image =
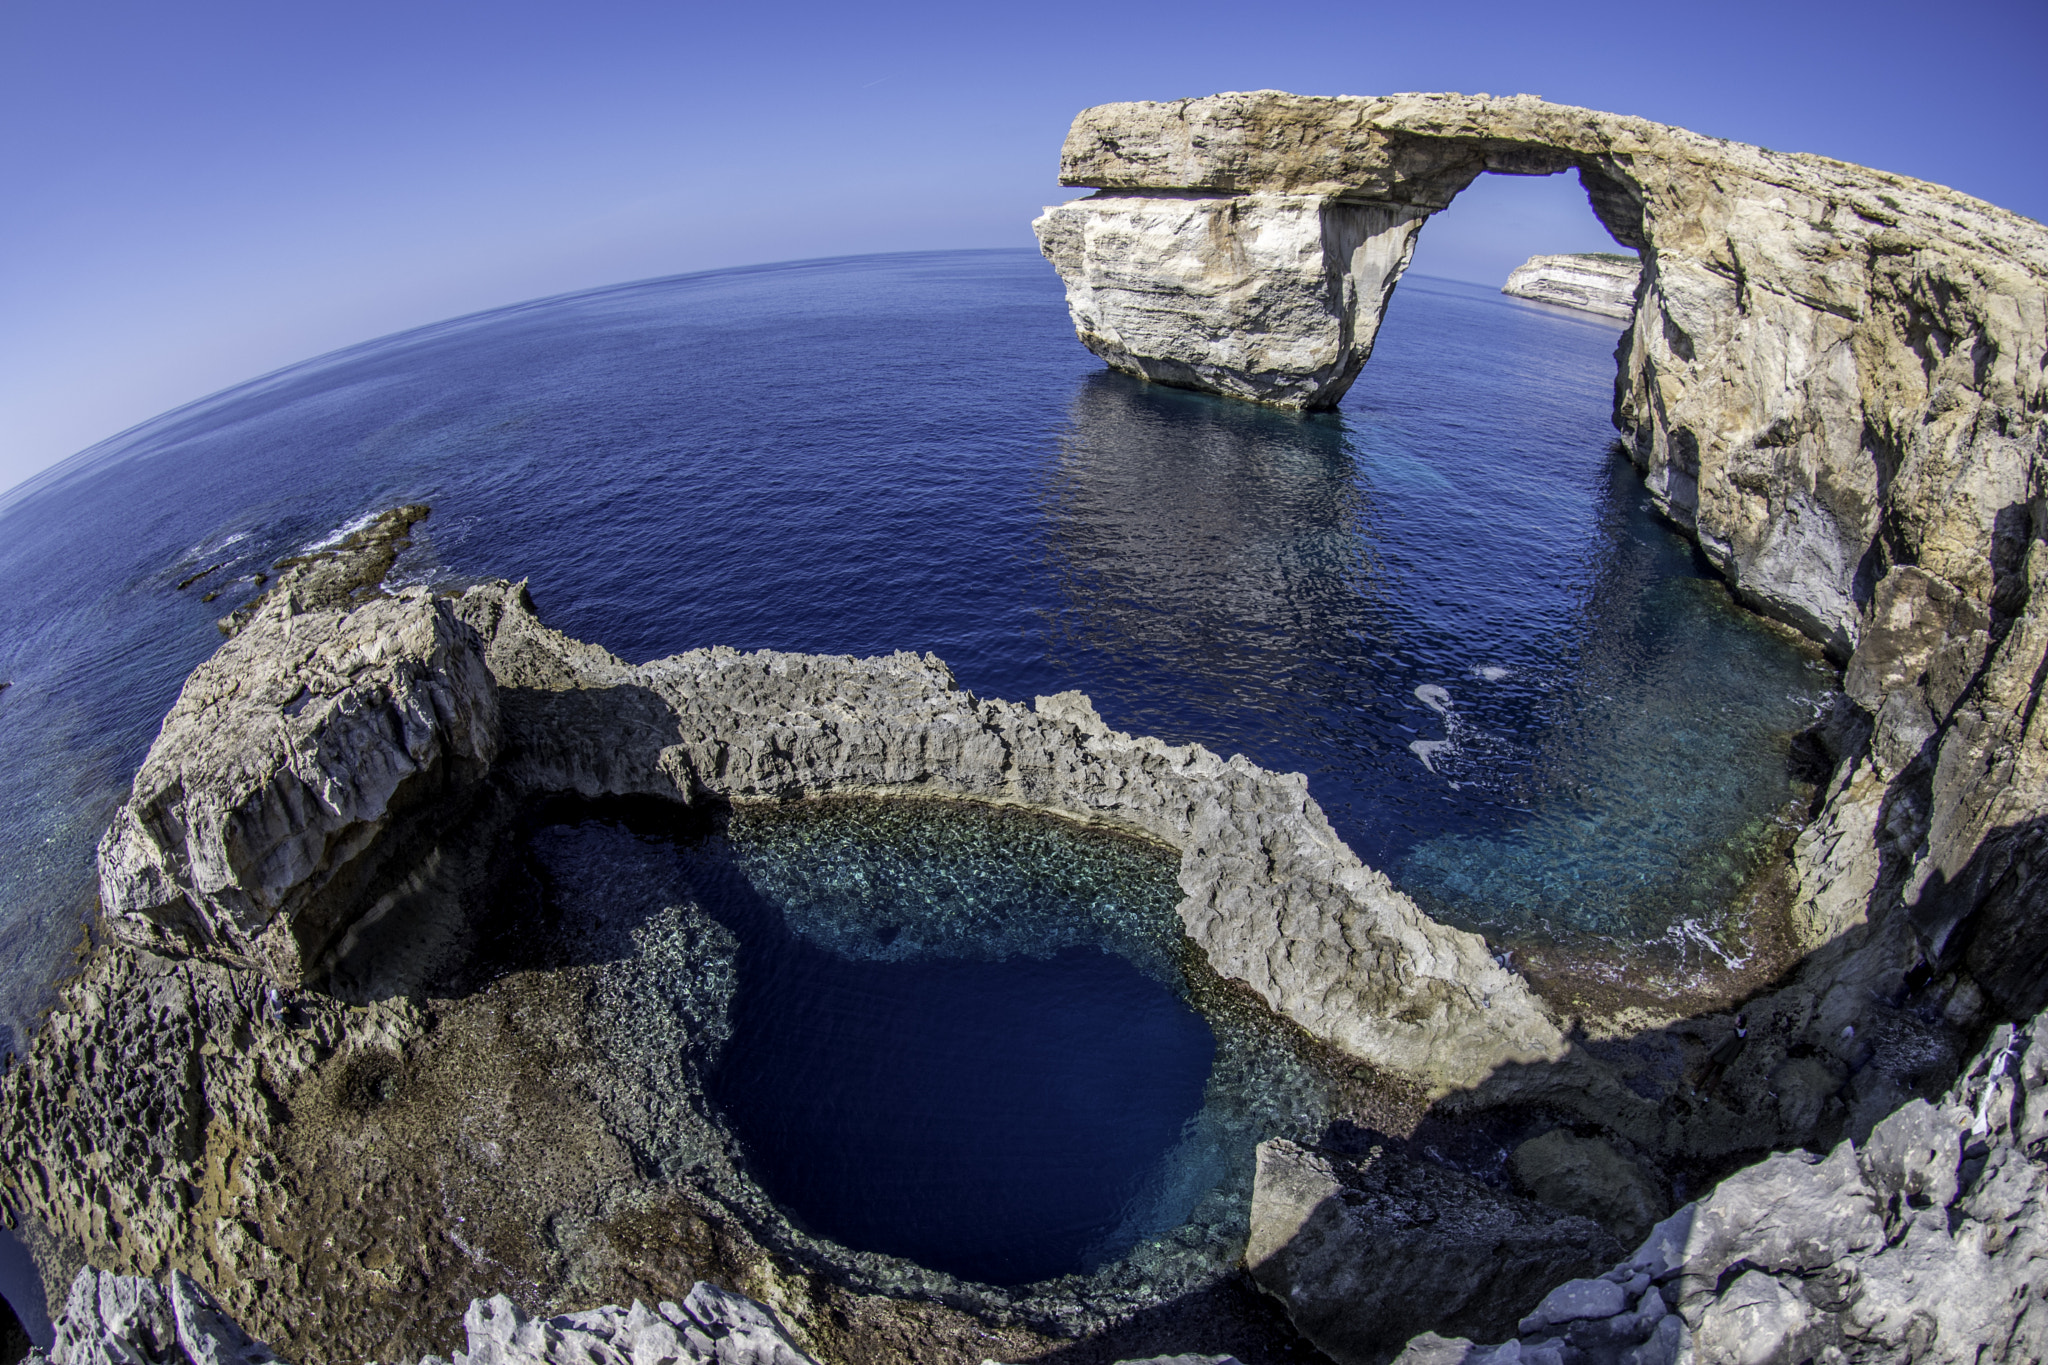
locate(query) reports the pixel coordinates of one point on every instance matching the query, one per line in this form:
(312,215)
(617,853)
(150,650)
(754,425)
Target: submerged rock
(1592,282)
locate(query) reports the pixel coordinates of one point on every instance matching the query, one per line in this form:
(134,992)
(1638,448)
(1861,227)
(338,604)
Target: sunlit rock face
(264,826)
(1602,283)
(1822,353)
(1274,298)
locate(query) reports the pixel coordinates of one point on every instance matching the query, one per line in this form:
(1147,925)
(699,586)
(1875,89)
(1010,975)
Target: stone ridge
(310,756)
(1590,283)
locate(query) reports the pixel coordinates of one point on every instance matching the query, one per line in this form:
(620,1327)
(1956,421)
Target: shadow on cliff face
(1994,912)
(460,900)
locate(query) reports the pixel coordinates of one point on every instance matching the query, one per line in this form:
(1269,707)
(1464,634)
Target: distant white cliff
(1594,282)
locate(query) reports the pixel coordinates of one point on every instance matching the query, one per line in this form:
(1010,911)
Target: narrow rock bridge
(1831,371)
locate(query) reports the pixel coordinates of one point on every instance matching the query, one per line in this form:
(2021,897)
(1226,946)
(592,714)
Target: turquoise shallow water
(913,452)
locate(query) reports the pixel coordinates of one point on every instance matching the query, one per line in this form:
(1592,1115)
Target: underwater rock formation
(1831,370)
(1601,283)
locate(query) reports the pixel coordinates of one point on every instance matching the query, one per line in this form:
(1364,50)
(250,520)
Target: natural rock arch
(1831,371)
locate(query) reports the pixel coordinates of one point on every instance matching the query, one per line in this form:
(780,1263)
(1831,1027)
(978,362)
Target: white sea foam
(338,535)
(1428,749)
(1435,698)
(1491,672)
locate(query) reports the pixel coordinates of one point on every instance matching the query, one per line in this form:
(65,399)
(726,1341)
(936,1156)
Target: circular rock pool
(938,1046)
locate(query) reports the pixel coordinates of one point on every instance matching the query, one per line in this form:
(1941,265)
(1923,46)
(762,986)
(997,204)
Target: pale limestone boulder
(293,774)
(1275,298)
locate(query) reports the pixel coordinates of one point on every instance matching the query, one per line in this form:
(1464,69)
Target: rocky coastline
(304,1087)
(1591,282)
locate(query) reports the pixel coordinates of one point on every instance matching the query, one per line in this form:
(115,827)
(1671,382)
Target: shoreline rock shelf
(289,796)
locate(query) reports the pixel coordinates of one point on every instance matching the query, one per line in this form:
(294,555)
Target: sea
(1513,688)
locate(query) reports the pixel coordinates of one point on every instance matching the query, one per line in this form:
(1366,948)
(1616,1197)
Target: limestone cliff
(1831,370)
(1590,282)
(1834,378)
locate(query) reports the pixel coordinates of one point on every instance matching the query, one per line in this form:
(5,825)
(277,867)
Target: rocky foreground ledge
(1929,1243)
(248,1085)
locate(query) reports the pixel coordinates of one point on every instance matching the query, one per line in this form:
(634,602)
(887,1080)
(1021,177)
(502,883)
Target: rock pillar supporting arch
(1831,371)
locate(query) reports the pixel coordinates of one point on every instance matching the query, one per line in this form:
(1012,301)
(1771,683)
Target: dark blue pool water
(992,1120)
(942,1032)
(912,452)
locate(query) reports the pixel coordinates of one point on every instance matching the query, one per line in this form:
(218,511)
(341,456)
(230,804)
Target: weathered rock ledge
(280,818)
(1592,283)
(110,1319)
(1928,1242)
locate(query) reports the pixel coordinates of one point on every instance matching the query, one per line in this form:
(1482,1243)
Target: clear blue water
(966,1037)
(913,452)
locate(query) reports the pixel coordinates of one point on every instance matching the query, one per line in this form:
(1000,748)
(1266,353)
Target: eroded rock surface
(113,1319)
(313,757)
(1601,283)
(1586,1175)
(1367,1252)
(1929,1241)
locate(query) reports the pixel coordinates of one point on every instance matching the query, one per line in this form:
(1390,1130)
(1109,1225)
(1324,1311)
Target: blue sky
(194,194)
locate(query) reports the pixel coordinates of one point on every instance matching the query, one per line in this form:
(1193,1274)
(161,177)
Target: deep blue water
(912,452)
(988,1119)
(941,1031)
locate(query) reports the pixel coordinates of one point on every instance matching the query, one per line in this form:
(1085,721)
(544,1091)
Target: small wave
(1691,933)
(210,547)
(338,535)
(1491,672)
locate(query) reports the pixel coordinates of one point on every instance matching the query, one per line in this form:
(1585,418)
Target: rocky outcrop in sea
(1831,371)
(1592,282)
